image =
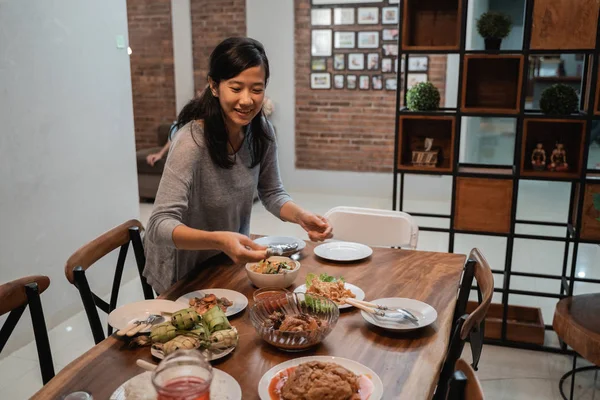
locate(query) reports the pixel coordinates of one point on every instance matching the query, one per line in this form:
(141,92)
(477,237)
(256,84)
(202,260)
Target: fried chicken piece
(317,380)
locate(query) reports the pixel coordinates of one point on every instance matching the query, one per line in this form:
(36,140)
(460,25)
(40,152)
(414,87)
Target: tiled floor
(505,373)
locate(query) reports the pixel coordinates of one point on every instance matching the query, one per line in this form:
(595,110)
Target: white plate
(356,367)
(223,387)
(358,292)
(280,240)
(343,251)
(239,300)
(128,313)
(423,311)
(214,355)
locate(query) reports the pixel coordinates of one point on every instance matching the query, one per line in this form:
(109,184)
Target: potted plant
(493,27)
(559,99)
(423,97)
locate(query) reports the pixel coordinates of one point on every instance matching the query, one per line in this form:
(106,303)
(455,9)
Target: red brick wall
(152,69)
(340,129)
(213,21)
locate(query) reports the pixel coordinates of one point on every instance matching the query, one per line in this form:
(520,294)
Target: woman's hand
(316,226)
(240,248)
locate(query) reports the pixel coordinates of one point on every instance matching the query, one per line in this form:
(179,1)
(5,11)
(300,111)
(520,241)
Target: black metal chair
(15,296)
(471,326)
(86,256)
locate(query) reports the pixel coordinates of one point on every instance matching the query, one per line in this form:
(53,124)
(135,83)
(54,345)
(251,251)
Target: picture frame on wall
(386,65)
(368,40)
(413,79)
(321,43)
(344,40)
(338,81)
(391,84)
(343,16)
(418,64)
(351,82)
(339,62)
(320,80)
(367,15)
(320,16)
(390,50)
(363,82)
(373,61)
(390,34)
(377,82)
(318,64)
(356,61)
(389,15)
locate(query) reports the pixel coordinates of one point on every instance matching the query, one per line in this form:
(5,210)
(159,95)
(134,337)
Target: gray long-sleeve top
(198,193)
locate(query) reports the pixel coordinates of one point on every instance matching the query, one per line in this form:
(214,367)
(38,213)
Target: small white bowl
(274,280)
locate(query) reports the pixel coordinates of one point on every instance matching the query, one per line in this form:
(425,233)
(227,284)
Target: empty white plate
(139,311)
(423,311)
(222,387)
(343,251)
(239,300)
(358,292)
(356,367)
(281,240)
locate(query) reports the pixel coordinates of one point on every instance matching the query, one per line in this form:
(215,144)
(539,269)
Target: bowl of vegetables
(275,272)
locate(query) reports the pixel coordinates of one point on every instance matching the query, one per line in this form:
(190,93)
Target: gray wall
(67,151)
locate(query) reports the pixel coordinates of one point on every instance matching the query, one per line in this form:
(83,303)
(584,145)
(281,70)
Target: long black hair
(229,59)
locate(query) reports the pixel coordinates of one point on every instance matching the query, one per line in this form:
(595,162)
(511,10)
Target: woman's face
(241,97)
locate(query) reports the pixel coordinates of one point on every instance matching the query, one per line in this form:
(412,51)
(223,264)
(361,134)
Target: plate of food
(343,251)
(230,301)
(335,289)
(121,317)
(210,333)
(425,314)
(337,378)
(222,387)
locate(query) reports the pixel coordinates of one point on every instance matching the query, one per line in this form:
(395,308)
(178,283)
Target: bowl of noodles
(275,272)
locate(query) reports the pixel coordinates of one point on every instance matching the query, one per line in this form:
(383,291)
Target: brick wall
(152,69)
(341,129)
(213,21)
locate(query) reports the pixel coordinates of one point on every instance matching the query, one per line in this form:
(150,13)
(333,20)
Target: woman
(224,150)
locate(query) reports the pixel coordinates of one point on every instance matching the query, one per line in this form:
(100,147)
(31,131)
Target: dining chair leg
(140,259)
(88,303)
(40,332)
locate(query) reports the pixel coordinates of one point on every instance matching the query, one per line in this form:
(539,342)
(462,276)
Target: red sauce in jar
(185,388)
(365,385)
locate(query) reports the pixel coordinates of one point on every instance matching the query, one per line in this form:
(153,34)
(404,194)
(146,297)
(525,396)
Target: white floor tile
(519,389)
(23,387)
(11,368)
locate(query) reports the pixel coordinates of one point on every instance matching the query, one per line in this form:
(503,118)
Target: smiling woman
(224,151)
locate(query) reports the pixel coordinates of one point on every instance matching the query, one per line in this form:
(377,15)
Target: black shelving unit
(572,236)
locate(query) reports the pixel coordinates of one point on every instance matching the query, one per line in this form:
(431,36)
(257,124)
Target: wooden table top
(407,363)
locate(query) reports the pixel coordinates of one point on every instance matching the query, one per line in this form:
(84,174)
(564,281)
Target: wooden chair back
(15,296)
(464,384)
(87,255)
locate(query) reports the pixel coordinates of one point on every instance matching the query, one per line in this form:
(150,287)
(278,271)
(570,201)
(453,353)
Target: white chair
(374,227)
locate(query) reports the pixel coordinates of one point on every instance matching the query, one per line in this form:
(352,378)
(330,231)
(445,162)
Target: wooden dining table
(407,363)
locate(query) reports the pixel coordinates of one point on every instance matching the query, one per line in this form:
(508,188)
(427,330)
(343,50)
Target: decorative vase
(492,43)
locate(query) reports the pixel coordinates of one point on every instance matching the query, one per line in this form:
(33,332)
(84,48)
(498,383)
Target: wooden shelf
(431,24)
(413,129)
(483,205)
(492,83)
(564,24)
(570,133)
(590,225)
(485,171)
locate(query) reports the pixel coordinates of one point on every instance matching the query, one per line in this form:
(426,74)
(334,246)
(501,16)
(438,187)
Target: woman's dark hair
(229,59)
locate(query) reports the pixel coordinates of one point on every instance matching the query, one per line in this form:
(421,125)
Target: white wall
(67,150)
(182,52)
